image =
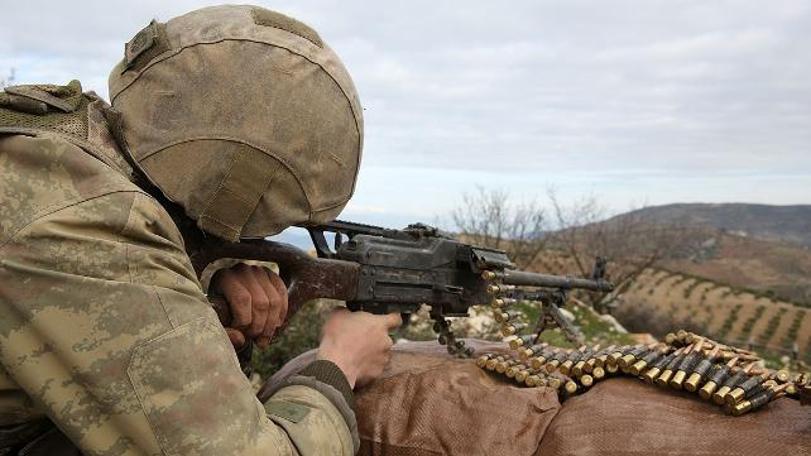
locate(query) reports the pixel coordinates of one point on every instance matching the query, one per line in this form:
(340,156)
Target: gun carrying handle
(306,277)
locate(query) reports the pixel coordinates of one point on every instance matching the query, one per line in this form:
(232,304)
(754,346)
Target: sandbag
(624,416)
(428,403)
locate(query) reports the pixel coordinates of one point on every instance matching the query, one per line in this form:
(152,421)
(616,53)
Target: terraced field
(725,313)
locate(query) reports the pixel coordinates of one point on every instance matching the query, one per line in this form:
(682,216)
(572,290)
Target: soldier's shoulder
(35,109)
(66,113)
(42,174)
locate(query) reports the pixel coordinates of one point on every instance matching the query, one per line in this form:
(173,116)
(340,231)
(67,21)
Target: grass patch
(595,330)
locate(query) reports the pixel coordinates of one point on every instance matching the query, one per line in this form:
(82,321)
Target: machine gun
(382,270)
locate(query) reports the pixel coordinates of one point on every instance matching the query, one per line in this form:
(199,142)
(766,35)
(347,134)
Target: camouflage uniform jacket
(104,327)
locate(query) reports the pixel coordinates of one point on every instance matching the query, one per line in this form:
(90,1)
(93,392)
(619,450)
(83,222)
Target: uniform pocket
(192,391)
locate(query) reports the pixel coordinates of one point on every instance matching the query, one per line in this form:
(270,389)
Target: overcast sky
(636,102)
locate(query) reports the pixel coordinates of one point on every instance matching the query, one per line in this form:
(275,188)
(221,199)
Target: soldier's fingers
(237,296)
(260,302)
(274,300)
(281,288)
(236,337)
(393,320)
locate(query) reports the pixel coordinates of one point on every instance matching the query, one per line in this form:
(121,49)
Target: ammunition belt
(730,377)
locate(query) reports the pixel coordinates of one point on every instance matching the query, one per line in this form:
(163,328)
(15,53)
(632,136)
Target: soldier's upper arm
(104,324)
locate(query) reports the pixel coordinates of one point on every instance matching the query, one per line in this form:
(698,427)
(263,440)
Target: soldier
(249,123)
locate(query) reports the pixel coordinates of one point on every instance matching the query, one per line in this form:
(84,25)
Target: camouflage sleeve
(104,325)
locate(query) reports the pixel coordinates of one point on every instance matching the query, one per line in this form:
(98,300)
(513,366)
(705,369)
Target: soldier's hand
(358,343)
(258,300)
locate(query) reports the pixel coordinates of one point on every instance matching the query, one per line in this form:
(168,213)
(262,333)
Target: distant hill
(765,249)
(661,300)
(773,268)
(773,223)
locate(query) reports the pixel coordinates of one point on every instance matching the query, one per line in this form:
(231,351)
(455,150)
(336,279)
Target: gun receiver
(381,270)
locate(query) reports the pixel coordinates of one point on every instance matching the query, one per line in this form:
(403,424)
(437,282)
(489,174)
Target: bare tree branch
(630,243)
(572,239)
(487,218)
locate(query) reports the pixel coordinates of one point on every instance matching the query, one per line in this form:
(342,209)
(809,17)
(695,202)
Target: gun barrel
(535,279)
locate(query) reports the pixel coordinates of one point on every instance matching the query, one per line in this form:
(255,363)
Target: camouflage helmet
(241,115)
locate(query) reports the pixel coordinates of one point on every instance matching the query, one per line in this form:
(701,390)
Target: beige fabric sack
(428,403)
(624,416)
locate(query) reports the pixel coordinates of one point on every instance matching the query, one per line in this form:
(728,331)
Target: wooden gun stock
(306,277)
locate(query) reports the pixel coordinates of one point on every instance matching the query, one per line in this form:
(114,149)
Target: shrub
(732,317)
(771,326)
(750,322)
(791,336)
(646,319)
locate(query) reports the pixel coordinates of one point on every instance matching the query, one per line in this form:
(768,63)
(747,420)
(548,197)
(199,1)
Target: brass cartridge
(500,316)
(701,370)
(782,375)
(537,362)
(502,303)
(552,365)
(667,373)
(492,362)
(520,341)
(573,356)
(579,367)
(502,366)
(499,289)
(751,386)
(757,401)
(648,359)
(618,353)
(651,374)
(511,371)
(719,397)
(527,353)
(521,375)
(597,358)
(555,360)
(511,329)
(481,361)
(533,380)
(687,365)
(543,357)
(629,358)
(717,377)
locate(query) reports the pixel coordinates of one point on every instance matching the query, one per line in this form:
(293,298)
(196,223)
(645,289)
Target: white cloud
(559,92)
